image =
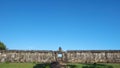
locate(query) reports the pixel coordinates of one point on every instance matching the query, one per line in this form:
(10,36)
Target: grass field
(16,65)
(94,65)
(71,65)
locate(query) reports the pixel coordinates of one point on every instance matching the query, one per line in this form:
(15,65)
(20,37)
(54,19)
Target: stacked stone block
(74,56)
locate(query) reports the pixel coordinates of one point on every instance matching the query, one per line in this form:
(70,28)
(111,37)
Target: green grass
(71,65)
(16,65)
(105,65)
(114,65)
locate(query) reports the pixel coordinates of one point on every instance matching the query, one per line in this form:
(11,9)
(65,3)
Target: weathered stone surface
(43,56)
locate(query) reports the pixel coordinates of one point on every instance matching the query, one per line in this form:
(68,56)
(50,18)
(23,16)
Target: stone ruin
(48,56)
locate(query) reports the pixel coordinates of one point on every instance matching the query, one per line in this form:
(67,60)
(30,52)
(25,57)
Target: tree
(2,46)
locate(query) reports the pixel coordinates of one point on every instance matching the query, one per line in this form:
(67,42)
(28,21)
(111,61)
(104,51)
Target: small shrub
(7,62)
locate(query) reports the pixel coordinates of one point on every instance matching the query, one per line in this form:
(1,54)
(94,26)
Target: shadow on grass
(72,66)
(43,65)
(96,66)
(57,65)
(53,65)
(48,65)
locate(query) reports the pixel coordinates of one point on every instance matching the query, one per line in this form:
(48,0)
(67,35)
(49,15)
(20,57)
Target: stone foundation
(75,56)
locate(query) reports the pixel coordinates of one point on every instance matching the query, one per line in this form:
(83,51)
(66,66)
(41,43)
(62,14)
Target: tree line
(2,46)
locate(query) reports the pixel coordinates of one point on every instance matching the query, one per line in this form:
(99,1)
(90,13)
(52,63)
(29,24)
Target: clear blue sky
(71,24)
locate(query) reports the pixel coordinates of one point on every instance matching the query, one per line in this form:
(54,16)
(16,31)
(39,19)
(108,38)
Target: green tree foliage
(2,46)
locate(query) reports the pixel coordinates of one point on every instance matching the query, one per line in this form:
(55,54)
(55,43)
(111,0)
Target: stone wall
(92,56)
(26,56)
(85,56)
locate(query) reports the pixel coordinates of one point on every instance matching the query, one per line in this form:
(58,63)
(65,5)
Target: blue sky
(71,24)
